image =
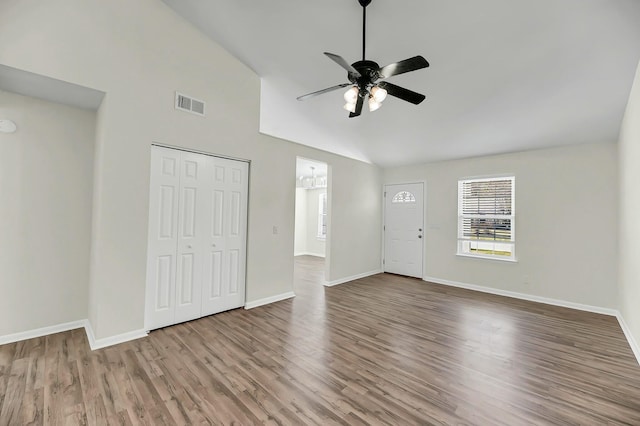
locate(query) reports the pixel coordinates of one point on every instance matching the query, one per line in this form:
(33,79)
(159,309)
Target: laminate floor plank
(384,349)
(11,412)
(32,408)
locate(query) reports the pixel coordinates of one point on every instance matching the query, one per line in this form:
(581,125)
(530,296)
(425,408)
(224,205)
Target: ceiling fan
(364,75)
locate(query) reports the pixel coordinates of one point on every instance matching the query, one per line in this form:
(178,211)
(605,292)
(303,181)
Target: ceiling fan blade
(344,64)
(320,92)
(402,93)
(358,111)
(411,64)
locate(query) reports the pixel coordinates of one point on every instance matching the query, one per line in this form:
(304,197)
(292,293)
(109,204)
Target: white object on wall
(7,126)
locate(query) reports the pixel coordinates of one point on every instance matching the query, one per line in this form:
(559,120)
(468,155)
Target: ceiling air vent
(189,104)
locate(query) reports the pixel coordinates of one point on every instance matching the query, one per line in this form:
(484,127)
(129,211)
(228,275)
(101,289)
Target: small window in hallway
(322,216)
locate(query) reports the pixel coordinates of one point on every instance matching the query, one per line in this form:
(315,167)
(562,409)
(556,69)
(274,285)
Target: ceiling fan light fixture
(350,107)
(373,104)
(351,95)
(378,93)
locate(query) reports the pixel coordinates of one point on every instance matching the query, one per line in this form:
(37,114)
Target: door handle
(419,236)
(420,230)
(189,246)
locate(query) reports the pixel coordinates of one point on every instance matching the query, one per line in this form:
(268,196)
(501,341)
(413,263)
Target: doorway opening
(311,212)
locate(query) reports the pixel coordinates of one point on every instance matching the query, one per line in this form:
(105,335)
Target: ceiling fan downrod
(364,4)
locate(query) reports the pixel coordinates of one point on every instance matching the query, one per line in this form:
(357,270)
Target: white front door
(404,229)
(197,236)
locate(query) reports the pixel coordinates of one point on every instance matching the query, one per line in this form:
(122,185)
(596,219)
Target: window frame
(461,240)
(404,199)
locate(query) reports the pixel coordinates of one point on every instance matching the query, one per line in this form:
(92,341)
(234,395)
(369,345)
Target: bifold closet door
(224,264)
(197,236)
(163,237)
(194,176)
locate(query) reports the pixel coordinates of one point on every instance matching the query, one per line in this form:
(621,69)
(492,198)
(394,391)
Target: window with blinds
(486,217)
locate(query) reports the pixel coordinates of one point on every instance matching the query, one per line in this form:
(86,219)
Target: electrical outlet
(275,230)
(526,280)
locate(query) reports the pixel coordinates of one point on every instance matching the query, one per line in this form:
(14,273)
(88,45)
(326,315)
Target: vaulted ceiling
(505,75)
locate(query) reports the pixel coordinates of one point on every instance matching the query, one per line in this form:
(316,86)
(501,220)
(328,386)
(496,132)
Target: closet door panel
(235,273)
(226,237)
(163,236)
(193,182)
(213,276)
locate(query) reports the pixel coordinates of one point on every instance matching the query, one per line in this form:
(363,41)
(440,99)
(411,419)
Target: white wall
(46,170)
(355,219)
(140,52)
(629,266)
(566,222)
(300,243)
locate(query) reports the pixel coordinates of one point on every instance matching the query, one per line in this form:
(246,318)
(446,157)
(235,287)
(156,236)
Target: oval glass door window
(404,197)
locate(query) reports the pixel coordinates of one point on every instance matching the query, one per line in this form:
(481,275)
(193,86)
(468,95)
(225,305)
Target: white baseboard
(111,340)
(268,300)
(351,278)
(308,253)
(524,296)
(39,332)
(627,333)
(59,328)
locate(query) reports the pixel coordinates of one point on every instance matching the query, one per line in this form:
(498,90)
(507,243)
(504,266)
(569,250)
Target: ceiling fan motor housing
(369,73)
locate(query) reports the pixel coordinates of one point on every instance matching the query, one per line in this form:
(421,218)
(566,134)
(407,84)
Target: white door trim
(195,151)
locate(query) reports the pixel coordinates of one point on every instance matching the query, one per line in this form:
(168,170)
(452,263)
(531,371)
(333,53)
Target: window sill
(476,256)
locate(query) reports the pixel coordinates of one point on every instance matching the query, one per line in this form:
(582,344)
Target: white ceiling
(505,75)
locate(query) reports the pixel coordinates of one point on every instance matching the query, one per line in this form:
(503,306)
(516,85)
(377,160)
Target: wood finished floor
(380,350)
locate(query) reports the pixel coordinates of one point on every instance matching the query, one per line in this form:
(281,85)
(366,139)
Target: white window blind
(486,217)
